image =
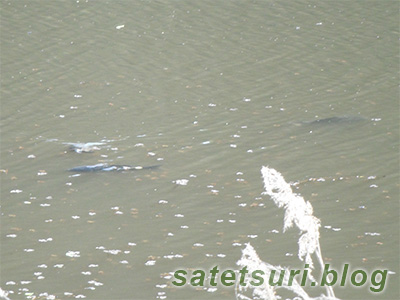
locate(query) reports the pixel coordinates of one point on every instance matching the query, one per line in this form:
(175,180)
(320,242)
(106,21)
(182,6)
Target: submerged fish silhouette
(108,168)
(333,120)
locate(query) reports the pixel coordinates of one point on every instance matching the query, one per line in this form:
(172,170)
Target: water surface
(211,91)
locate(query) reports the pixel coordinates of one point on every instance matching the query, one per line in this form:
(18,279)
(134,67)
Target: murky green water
(211,91)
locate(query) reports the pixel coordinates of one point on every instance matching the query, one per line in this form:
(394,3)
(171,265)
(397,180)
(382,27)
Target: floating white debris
(80,296)
(181,181)
(15,191)
(112,251)
(59,266)
(73,254)
(94,282)
(45,240)
(168,276)
(42,266)
(372,233)
(150,263)
(119,26)
(161,286)
(171,256)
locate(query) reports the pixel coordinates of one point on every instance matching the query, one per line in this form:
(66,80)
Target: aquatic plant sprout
(297,212)
(252,262)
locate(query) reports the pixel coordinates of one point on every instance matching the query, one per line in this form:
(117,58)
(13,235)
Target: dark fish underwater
(110,168)
(333,121)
